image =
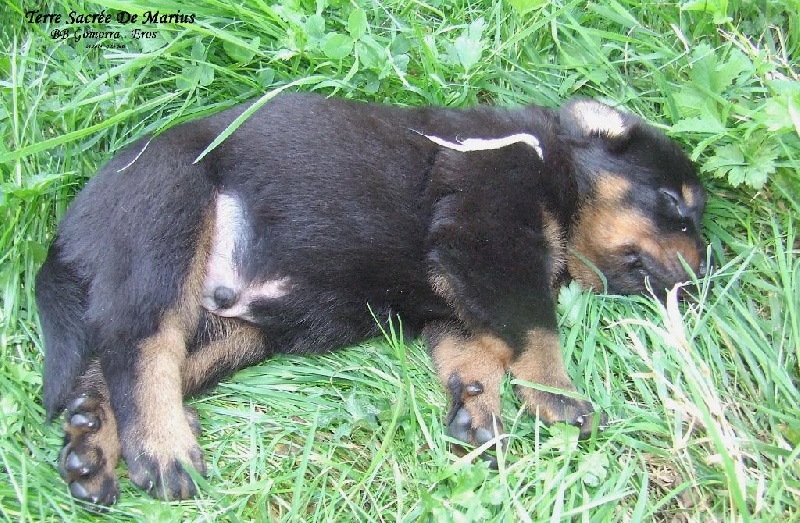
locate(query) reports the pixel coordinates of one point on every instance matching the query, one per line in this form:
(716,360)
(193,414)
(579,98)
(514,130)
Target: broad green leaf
(705,124)
(369,52)
(596,466)
(198,50)
(240,53)
(750,163)
(315,27)
(716,8)
(357,23)
(525,6)
(469,46)
(337,46)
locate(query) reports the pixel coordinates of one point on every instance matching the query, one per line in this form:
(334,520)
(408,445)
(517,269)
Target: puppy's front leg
(494,252)
(540,362)
(471,368)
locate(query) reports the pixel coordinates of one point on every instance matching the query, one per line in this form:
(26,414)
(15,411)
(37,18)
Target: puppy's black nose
(224,297)
(706,266)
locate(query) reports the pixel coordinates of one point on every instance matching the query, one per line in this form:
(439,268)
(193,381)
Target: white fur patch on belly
(229,230)
(486,144)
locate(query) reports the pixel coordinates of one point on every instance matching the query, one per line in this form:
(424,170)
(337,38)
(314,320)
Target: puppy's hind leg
(154,464)
(157,439)
(142,354)
(222,346)
(91,448)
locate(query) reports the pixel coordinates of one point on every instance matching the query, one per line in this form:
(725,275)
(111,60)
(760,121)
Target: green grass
(703,397)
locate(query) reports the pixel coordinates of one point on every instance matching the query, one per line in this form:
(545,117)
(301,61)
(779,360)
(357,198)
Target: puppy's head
(641,203)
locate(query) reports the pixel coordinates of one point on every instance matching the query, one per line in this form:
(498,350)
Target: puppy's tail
(61,300)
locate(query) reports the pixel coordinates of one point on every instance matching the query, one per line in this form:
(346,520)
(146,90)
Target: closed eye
(671,196)
(673,203)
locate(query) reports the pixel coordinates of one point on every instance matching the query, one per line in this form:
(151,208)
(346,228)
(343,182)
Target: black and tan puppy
(167,275)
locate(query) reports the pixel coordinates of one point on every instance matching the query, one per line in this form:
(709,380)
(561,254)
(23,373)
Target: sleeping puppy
(167,275)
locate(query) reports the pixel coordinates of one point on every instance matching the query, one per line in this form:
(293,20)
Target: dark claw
(194,421)
(460,426)
(482,435)
(557,408)
(585,421)
(75,464)
(196,455)
(100,499)
(78,491)
(461,429)
(85,421)
(459,421)
(474,388)
(166,480)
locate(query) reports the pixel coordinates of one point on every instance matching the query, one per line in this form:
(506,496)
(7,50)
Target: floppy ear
(584,119)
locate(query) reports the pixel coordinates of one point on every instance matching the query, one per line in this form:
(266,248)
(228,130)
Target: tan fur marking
(688,195)
(611,188)
(601,227)
(583,274)
(483,359)
(667,249)
(554,234)
(602,232)
(240,344)
(606,231)
(470,354)
(442,287)
(162,427)
(541,361)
